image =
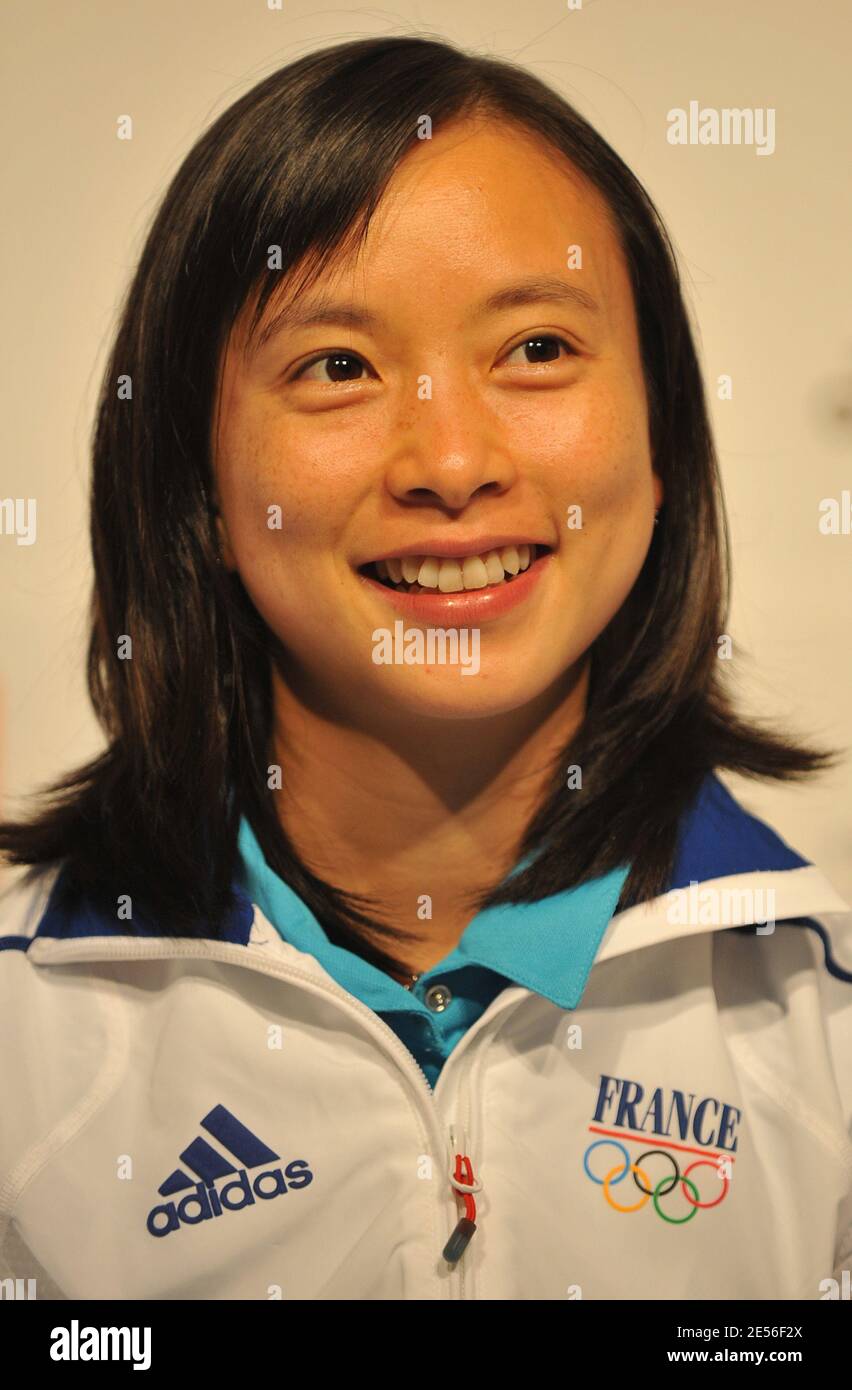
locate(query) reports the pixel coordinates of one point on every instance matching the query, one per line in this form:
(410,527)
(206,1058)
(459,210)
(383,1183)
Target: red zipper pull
(462,1179)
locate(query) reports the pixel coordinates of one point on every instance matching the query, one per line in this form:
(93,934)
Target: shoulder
(836,996)
(786,997)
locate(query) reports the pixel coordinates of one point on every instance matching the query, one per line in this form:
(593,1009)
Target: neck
(422,814)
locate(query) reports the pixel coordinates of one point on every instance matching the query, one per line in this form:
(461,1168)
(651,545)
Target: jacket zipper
(466,1142)
(465,1227)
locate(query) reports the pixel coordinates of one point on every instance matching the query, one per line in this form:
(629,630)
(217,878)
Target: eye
(343,366)
(542,346)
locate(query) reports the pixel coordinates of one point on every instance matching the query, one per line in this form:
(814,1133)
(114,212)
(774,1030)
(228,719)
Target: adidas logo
(205,1200)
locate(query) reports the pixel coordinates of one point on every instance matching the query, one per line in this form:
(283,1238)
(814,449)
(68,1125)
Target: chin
(447,694)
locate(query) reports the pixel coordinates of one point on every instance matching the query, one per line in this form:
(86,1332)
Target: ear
(659,492)
(225,551)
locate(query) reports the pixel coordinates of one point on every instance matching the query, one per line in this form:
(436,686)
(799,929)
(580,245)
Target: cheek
(285,494)
(286,503)
(606,454)
(605,469)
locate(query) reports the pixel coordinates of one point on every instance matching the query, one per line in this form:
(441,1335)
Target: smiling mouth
(424,574)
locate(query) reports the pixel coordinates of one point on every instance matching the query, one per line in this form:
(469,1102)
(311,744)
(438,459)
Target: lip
(455,549)
(468,607)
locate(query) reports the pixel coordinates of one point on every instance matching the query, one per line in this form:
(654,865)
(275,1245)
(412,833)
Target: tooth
(474,573)
(493,567)
(381,569)
(510,560)
(427,575)
(450,577)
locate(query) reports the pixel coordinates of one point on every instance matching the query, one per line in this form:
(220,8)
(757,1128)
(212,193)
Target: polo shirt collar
(548,946)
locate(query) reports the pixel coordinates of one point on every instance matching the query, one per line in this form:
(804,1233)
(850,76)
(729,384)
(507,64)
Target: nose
(447,454)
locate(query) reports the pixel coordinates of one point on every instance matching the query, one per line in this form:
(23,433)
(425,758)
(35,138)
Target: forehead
(489,188)
(481,204)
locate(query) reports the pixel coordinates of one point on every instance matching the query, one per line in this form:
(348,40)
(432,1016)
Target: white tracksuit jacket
(684,1133)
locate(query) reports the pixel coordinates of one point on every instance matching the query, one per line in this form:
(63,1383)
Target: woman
(405,888)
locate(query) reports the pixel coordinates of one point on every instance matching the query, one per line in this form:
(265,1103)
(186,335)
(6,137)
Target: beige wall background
(763,243)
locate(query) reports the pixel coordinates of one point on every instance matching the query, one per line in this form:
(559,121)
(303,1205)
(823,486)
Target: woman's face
(417,424)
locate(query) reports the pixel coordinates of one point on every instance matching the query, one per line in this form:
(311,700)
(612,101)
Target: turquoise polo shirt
(548,947)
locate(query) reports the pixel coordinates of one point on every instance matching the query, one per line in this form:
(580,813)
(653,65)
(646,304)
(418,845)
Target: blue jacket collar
(521,941)
(717,840)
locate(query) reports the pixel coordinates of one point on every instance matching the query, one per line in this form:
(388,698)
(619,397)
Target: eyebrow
(535,289)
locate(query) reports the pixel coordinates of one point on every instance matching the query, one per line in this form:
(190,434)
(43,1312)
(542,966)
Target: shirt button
(437,997)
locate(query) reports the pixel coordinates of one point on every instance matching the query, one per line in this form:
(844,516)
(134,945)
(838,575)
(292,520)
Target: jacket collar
(729,868)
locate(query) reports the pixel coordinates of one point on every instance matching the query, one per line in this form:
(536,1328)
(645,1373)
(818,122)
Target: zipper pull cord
(462,1178)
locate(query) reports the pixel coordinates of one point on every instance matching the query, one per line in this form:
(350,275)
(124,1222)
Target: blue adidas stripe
(207,1163)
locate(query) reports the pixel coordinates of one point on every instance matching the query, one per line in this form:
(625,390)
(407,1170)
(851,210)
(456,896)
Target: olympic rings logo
(652,1193)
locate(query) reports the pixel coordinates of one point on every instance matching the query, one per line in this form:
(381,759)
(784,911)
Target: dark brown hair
(301,162)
